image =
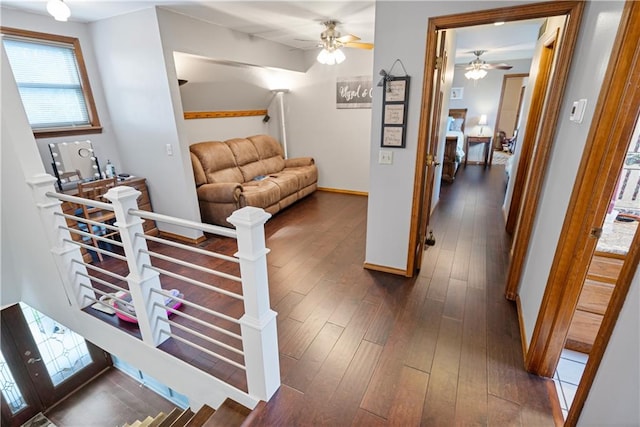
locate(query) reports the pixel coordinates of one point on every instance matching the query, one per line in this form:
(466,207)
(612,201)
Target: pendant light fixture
(59,10)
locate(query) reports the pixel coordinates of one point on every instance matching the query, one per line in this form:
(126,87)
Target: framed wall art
(457,92)
(394,111)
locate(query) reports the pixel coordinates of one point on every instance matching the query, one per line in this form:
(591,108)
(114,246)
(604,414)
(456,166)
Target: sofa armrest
(220,192)
(298,161)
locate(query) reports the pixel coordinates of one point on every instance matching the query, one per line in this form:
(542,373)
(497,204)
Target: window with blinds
(52,82)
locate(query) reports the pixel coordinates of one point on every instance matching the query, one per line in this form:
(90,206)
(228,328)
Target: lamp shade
(58,9)
(483,120)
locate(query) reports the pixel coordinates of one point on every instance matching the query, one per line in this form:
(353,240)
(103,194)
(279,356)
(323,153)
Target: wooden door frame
(505,78)
(573,11)
(612,126)
(432,148)
(527,155)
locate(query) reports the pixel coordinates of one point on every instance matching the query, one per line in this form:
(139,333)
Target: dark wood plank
(342,408)
(440,403)
(307,367)
(407,405)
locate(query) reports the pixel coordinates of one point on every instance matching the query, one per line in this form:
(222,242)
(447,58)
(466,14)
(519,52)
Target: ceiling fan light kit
(331,57)
(477,69)
(331,43)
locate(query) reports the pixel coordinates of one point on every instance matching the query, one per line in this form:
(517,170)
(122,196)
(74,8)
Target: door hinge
(438,63)
(595,232)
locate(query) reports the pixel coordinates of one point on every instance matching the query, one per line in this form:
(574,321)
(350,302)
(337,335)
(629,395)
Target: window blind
(49,83)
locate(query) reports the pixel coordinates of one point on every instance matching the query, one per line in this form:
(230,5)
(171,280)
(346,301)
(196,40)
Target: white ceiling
(298,23)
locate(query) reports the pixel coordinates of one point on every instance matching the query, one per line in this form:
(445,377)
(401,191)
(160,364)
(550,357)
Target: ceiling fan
(477,69)
(331,41)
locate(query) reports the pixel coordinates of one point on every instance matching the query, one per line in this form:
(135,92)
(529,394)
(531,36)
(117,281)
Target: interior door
(42,362)
(432,147)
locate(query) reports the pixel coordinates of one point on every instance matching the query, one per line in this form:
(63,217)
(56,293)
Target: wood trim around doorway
(612,126)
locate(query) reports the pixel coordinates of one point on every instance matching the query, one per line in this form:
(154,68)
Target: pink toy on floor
(128,308)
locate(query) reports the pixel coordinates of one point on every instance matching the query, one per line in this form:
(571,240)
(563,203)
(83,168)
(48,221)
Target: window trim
(94,126)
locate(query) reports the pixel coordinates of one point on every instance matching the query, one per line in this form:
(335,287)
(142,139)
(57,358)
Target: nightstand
(488,150)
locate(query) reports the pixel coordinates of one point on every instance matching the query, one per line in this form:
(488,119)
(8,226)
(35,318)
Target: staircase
(229,414)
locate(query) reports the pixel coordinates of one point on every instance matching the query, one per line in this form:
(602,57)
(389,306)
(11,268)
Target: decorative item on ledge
(188,115)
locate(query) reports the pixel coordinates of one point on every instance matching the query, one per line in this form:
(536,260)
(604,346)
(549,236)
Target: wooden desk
(144,203)
(488,150)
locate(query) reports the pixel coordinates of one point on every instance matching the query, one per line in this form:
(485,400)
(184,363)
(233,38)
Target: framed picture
(393,114)
(457,92)
(393,136)
(394,111)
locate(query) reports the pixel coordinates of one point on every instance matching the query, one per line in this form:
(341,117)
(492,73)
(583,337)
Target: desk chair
(95,190)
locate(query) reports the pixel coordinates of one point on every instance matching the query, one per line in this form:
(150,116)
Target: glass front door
(42,361)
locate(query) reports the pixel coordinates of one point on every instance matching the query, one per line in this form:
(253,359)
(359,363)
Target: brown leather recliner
(248,172)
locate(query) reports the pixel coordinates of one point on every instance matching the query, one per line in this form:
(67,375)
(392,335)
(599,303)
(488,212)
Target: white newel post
(149,305)
(57,237)
(259,333)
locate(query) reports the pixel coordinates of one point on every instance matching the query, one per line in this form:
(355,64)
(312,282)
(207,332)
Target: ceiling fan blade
(348,38)
(359,45)
(501,66)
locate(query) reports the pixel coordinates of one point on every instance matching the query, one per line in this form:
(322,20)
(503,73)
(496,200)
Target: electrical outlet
(385,157)
(169,150)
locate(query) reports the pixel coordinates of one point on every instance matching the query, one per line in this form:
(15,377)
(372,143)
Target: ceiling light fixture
(59,10)
(331,56)
(476,74)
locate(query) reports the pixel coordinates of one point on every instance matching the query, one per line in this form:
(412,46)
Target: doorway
(41,362)
(509,110)
(573,10)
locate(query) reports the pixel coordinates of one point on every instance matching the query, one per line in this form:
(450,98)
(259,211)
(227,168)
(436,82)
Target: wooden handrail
(188,115)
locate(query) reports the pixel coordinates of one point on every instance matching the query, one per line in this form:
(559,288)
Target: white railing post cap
(249,215)
(121,192)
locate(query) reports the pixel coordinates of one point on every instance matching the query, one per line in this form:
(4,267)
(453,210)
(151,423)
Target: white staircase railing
(135,266)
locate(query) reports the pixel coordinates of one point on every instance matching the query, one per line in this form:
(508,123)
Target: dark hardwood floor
(359,347)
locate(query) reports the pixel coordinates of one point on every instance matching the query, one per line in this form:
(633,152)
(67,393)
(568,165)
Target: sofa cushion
(247,158)
(307,175)
(198,173)
(260,194)
(270,153)
(287,182)
(217,161)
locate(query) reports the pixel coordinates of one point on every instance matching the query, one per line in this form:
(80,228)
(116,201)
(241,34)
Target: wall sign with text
(394,111)
(354,92)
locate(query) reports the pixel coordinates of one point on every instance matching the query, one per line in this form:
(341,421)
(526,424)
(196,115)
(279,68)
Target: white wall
(614,396)
(104,144)
(592,53)
(338,139)
(483,97)
(221,129)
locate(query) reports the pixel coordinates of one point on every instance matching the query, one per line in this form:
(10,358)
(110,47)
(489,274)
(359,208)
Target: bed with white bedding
(454,143)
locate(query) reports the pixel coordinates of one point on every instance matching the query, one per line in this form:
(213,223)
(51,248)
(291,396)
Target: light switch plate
(385,157)
(577,110)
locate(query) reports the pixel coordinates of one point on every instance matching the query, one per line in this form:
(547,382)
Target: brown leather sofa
(249,171)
